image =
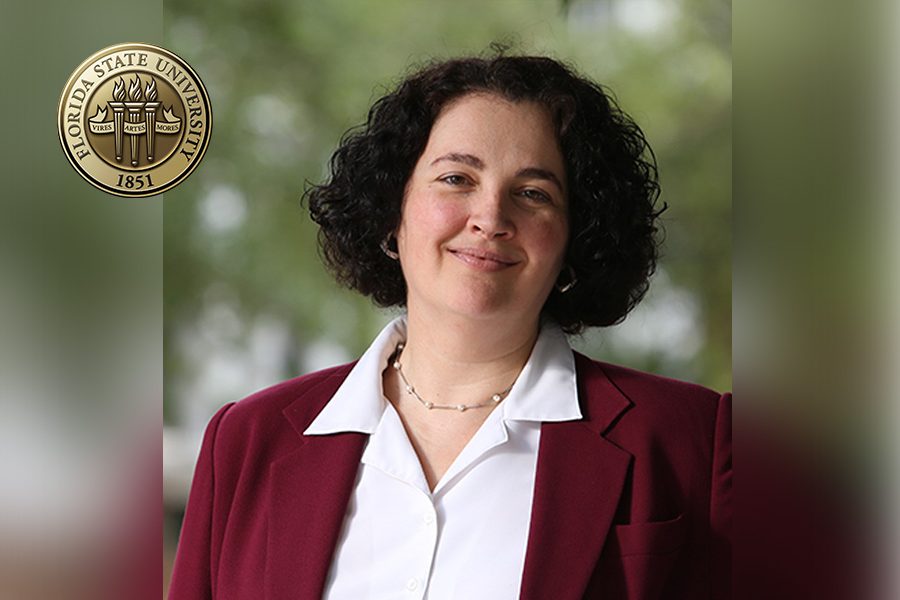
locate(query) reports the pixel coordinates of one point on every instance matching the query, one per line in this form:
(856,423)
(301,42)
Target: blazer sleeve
(192,575)
(720,507)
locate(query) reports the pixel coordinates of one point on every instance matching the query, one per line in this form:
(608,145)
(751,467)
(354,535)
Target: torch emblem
(140,105)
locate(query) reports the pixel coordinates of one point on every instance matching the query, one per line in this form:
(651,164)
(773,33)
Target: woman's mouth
(483,260)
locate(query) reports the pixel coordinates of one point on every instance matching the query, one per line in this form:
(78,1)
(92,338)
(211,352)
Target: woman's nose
(490,216)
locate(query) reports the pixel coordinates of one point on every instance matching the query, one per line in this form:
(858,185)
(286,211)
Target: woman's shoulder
(648,397)
(641,382)
(295,401)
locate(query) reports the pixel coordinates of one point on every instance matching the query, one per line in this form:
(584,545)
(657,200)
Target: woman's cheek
(551,235)
(440,211)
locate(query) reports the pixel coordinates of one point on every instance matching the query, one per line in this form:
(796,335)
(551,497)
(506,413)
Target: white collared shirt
(467,538)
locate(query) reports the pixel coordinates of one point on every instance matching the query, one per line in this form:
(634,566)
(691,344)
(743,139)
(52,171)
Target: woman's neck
(461,361)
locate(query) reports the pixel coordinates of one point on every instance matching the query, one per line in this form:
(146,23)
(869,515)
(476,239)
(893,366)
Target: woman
(469,453)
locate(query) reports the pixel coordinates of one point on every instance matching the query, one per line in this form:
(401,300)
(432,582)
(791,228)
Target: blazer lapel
(579,479)
(310,490)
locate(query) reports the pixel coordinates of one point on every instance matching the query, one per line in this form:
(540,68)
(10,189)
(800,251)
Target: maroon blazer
(631,502)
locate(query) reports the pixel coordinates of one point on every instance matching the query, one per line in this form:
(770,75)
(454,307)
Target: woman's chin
(483,306)
(473,301)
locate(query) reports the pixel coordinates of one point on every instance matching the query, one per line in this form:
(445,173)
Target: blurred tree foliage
(288,77)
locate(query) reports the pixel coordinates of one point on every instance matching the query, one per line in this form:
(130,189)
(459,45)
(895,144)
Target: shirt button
(412,584)
(428,518)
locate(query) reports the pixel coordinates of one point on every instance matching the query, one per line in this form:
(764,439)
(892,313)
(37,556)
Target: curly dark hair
(611,171)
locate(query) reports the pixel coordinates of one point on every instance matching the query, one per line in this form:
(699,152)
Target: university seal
(134,120)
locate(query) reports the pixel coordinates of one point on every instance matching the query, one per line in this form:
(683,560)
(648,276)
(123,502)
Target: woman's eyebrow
(538,173)
(466,159)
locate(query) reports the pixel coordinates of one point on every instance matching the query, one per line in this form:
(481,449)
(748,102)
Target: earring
(386,247)
(573,279)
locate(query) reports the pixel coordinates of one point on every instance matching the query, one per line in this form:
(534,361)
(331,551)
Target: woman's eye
(454,179)
(537,195)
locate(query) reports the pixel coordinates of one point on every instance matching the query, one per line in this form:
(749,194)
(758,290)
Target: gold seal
(134,120)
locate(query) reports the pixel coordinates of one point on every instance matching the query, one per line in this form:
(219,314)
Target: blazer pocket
(654,537)
(638,559)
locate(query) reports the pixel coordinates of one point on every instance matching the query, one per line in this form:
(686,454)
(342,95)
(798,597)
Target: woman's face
(484,221)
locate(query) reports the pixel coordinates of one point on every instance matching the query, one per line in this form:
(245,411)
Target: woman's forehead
(485,129)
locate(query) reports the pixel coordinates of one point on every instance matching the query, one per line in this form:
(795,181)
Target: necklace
(395,363)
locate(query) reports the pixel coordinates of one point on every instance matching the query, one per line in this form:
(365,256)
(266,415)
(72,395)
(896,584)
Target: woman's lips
(483,260)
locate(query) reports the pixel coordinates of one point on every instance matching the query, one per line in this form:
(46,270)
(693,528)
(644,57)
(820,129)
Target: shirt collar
(546,389)
(358,403)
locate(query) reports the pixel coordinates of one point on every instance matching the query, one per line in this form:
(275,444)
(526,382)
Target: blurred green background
(247,301)
(80,329)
